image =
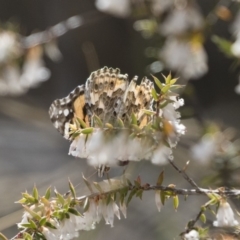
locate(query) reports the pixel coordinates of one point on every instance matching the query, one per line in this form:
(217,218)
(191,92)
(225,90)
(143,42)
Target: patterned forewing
(104,93)
(63,111)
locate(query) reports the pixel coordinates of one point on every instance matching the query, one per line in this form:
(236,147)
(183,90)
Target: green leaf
(32,223)
(158,83)
(42,221)
(98,187)
(48,224)
(224,45)
(27,236)
(175,202)
(3,237)
(132,193)
(35,193)
(72,189)
(109,199)
(160,178)
(154,94)
(28,197)
(109,125)
(48,193)
(139,193)
(136,127)
(32,213)
(74,211)
(168,78)
(82,123)
(87,184)
(173,81)
(203,218)
(176,86)
(120,122)
(87,130)
(60,198)
(137,184)
(133,119)
(98,121)
(22,201)
(162,197)
(86,204)
(26,225)
(148,112)
(166,88)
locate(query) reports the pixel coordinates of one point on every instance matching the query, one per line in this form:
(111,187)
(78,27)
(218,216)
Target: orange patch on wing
(78,107)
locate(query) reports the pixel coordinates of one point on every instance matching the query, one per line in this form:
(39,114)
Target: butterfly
(107,94)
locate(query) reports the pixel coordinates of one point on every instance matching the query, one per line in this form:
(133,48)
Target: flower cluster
(21,58)
(225,216)
(63,217)
(216,144)
(117,142)
(16,79)
(181,31)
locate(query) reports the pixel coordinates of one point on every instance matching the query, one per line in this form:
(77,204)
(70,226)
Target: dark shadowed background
(33,152)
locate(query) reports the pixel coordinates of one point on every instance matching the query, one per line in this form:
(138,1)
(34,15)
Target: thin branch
(61,28)
(183,173)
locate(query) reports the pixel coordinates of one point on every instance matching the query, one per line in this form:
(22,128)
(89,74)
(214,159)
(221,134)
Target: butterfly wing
(104,93)
(63,111)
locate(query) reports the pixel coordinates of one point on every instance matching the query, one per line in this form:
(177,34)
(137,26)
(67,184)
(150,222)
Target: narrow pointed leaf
(158,82)
(88,184)
(160,178)
(109,125)
(74,211)
(203,218)
(132,193)
(43,221)
(175,202)
(98,187)
(162,197)
(82,123)
(2,237)
(48,224)
(87,130)
(86,204)
(72,189)
(120,122)
(134,119)
(35,193)
(32,213)
(154,94)
(48,193)
(98,121)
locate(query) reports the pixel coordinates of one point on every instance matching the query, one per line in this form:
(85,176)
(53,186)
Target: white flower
(9,46)
(16,81)
(114,7)
(108,211)
(33,72)
(225,216)
(123,209)
(235,48)
(192,235)
(161,155)
(205,149)
(159,6)
(182,20)
(189,59)
(51,234)
(158,200)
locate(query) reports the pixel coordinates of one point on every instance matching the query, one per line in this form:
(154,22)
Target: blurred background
(114,34)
